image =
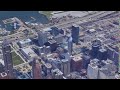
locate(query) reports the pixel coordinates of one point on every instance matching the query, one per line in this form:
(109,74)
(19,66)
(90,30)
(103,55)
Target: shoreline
(48,14)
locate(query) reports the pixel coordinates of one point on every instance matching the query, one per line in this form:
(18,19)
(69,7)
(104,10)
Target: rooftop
(47,29)
(24,68)
(29,52)
(25,41)
(48,65)
(77,57)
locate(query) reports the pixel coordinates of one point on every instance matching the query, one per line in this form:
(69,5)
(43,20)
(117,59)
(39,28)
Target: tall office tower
(70,45)
(86,61)
(76,63)
(95,48)
(36,69)
(110,53)
(114,56)
(93,69)
(7,57)
(65,67)
(42,38)
(75,33)
(102,54)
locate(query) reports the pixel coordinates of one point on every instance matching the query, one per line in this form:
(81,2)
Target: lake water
(24,15)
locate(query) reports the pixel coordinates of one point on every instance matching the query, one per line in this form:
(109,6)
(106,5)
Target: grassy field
(46,13)
(16,59)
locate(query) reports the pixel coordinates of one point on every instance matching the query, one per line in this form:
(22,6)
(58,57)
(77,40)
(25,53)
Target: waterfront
(24,15)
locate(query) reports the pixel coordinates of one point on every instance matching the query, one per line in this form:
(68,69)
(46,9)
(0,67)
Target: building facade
(7,57)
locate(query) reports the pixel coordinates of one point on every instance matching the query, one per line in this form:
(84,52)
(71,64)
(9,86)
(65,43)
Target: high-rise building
(70,45)
(75,33)
(7,57)
(95,48)
(102,54)
(114,56)
(107,71)
(110,53)
(42,38)
(65,66)
(76,63)
(93,69)
(86,61)
(36,69)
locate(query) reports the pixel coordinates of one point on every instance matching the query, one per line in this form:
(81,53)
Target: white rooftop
(29,52)
(25,41)
(92,30)
(47,29)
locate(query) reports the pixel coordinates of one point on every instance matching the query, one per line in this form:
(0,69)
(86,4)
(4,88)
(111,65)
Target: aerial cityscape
(59,44)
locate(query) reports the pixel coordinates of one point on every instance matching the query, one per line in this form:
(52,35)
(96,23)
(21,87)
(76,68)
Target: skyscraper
(36,69)
(96,44)
(75,33)
(7,57)
(76,63)
(42,38)
(65,67)
(70,45)
(102,54)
